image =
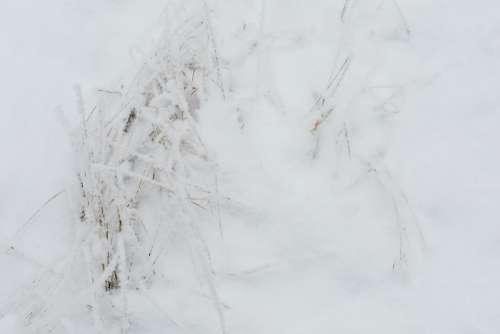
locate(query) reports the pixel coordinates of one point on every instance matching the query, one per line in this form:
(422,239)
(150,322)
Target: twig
(219,218)
(347,140)
(214,50)
(405,22)
(339,76)
(344,10)
(110,92)
(322,118)
(336,79)
(258,44)
(33,216)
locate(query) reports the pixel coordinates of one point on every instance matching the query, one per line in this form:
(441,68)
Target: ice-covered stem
(145,149)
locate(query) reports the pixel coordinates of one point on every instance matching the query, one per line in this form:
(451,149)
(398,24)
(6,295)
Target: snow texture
(249,166)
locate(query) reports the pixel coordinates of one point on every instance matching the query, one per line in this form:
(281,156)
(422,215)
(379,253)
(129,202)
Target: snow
(350,182)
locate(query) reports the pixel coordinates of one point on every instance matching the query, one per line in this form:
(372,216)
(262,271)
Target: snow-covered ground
(352,153)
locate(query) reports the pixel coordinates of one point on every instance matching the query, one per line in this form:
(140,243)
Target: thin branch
(35,214)
(344,10)
(347,140)
(211,37)
(217,204)
(113,92)
(405,22)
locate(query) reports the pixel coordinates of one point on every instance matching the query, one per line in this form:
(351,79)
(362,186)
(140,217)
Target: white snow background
(353,153)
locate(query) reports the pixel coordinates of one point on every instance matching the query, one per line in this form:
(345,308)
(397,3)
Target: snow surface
(354,154)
